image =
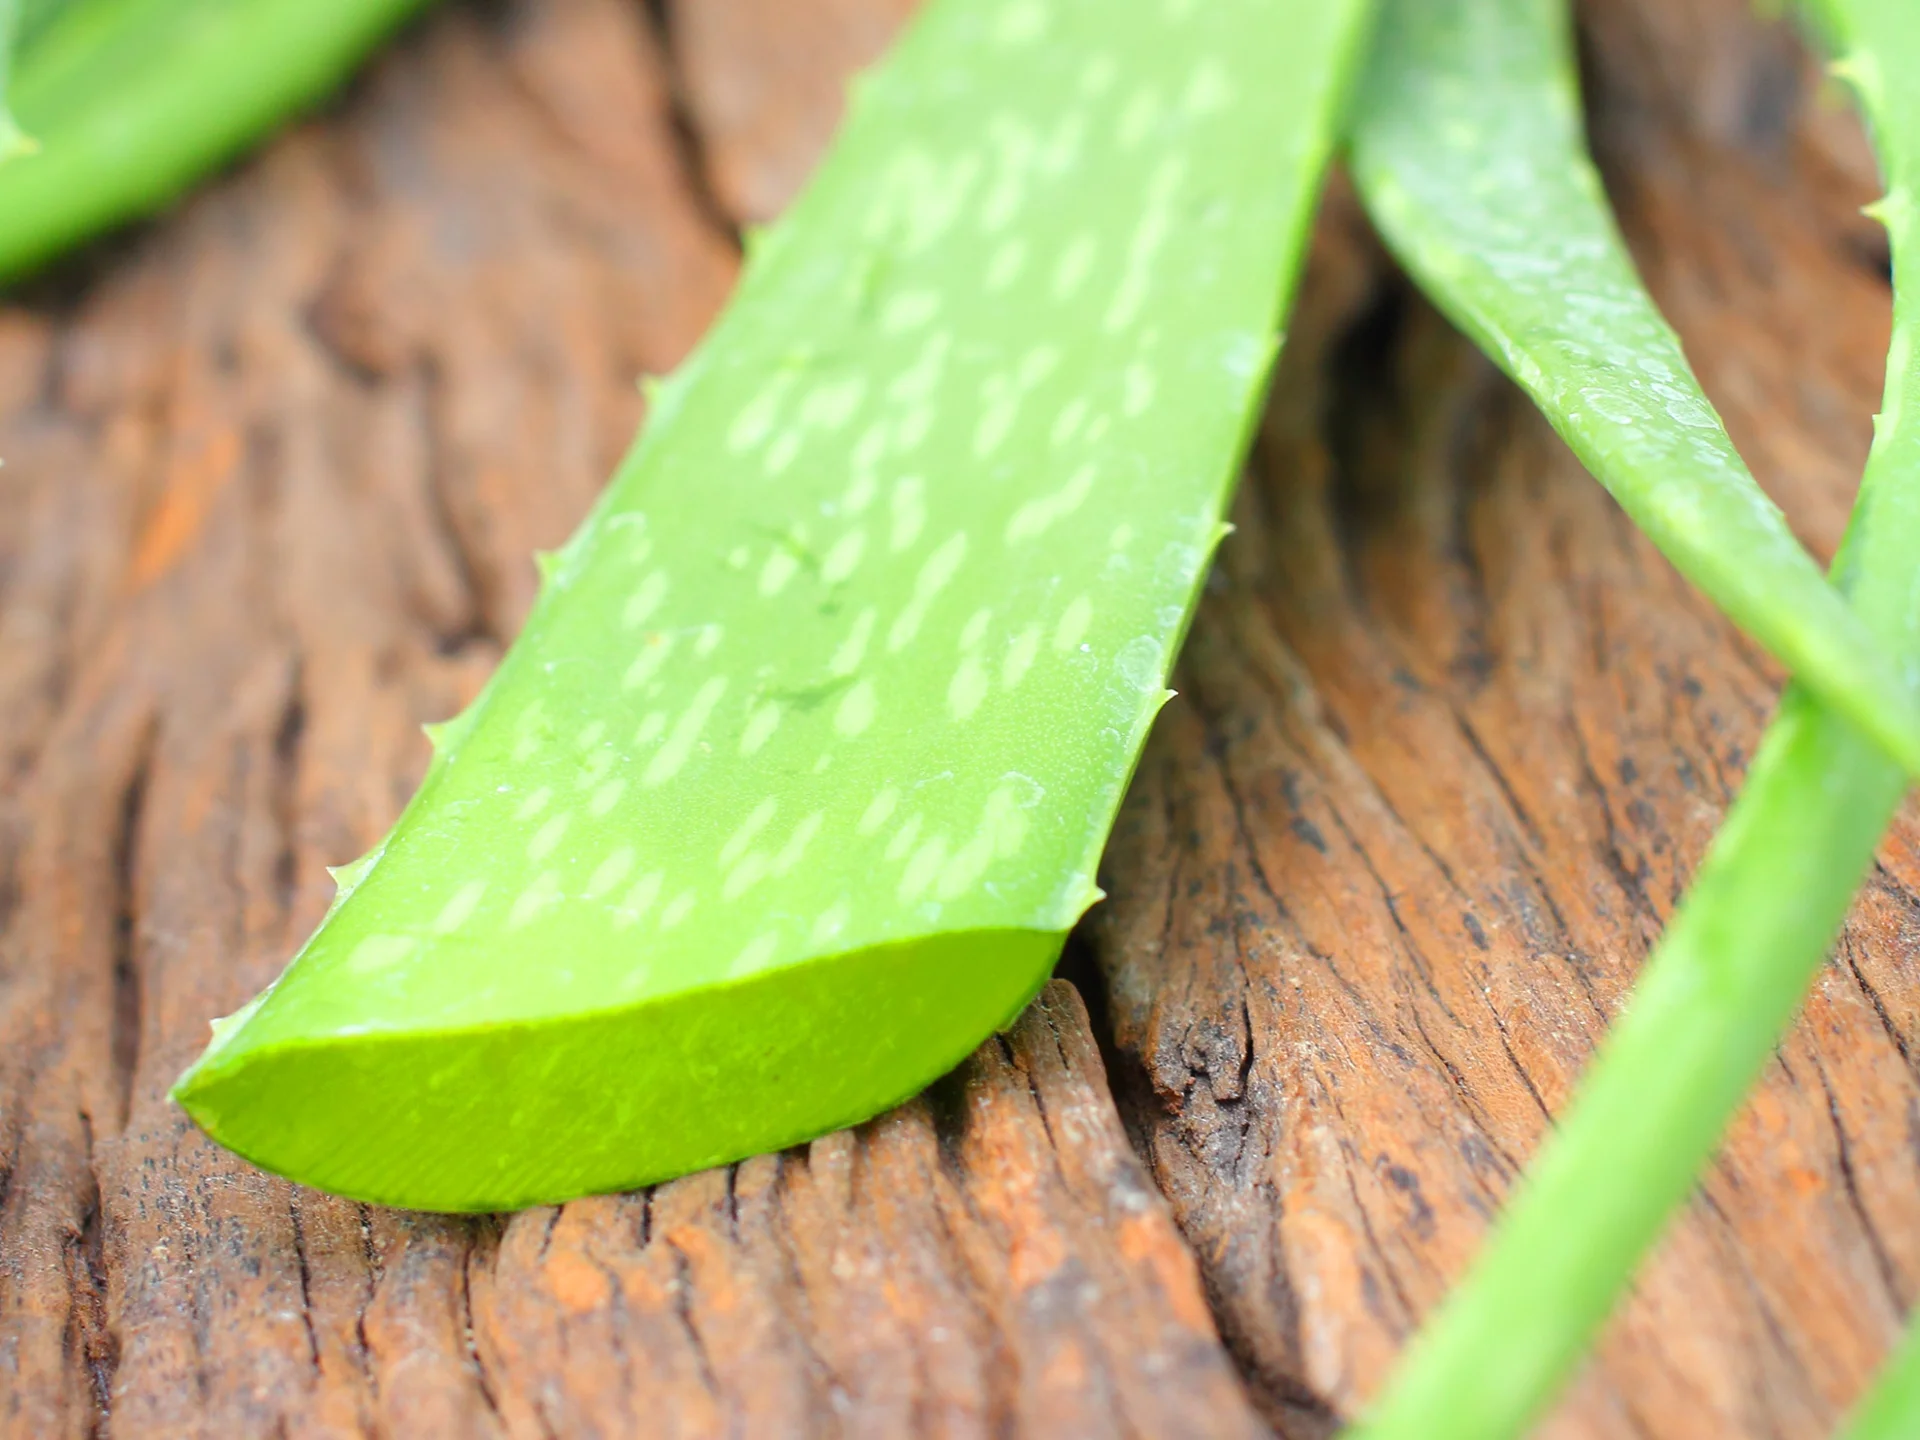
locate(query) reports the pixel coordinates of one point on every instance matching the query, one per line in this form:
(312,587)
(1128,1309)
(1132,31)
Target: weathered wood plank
(1453,738)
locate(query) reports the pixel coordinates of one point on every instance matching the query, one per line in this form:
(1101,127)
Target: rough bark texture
(1452,740)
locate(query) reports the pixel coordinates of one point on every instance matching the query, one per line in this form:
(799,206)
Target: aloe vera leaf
(800,772)
(13,140)
(1726,979)
(1891,1410)
(1467,151)
(20,22)
(131,101)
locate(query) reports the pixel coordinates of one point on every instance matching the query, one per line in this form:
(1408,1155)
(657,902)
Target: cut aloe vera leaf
(1726,979)
(799,774)
(1468,153)
(128,102)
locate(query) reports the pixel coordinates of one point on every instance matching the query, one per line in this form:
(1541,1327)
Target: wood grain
(1451,740)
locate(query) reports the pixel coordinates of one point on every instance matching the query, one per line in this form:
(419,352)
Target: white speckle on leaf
(1210,89)
(909,506)
(677,910)
(595,768)
(994,423)
(1074,621)
(757,820)
(903,838)
(878,811)
(781,567)
(1075,264)
(1020,22)
(910,310)
(543,892)
(609,873)
(782,452)
(1037,516)
(757,417)
(922,869)
(934,576)
(844,558)
(760,726)
(797,843)
(1141,113)
(654,650)
(646,598)
(381,952)
(1005,264)
(459,909)
(634,905)
(1020,656)
(967,688)
(1137,386)
(1037,364)
(548,837)
(829,924)
(860,492)
(1098,74)
(1066,425)
(670,757)
(856,710)
(831,406)
(751,870)
(757,953)
(853,649)
(912,428)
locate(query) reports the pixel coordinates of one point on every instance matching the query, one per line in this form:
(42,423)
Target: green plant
(1891,1411)
(799,773)
(1467,150)
(1892,1408)
(13,140)
(1733,967)
(127,102)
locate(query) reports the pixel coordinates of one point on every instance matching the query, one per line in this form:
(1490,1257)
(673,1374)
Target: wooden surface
(1451,740)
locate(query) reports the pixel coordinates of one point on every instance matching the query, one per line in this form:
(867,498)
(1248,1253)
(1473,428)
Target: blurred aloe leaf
(1468,152)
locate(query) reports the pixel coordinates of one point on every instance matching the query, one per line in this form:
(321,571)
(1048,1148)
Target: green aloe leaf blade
(1468,152)
(1727,978)
(13,140)
(128,102)
(1879,45)
(1891,1410)
(801,770)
